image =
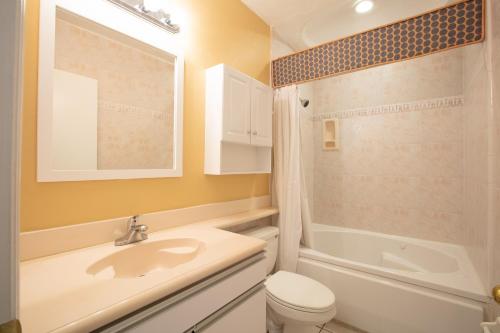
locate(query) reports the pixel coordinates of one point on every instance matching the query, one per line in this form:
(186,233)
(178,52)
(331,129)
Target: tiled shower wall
(411,159)
(398,173)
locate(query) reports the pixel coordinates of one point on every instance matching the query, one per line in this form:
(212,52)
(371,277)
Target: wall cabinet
(238,123)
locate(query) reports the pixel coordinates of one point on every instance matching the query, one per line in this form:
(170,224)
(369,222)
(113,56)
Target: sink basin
(141,259)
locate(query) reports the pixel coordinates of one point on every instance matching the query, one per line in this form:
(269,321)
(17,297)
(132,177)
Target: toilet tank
(270,235)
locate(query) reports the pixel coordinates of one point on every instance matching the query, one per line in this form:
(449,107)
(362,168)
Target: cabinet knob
(254,132)
(248,132)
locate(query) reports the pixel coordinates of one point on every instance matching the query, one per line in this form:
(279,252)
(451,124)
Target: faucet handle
(132,221)
(141,228)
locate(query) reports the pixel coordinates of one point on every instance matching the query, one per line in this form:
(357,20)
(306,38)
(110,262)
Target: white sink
(140,259)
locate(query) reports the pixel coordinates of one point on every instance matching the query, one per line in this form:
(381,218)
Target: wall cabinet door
(261,118)
(236,104)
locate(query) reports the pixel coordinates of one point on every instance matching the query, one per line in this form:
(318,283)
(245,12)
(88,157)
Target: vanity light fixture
(157,17)
(363,6)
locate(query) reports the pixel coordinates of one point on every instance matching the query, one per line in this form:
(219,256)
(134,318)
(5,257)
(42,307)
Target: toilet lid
(299,291)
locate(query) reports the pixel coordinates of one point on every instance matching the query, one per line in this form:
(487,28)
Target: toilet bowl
(295,303)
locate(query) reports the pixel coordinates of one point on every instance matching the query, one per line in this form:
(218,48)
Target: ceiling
(305,23)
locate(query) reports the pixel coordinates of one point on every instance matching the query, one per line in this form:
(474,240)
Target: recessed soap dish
(331,134)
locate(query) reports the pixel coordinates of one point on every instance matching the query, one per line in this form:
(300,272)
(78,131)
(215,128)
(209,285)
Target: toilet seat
(286,314)
(270,297)
(299,293)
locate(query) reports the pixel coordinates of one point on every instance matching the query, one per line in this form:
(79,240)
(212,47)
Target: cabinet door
(247,317)
(262,115)
(236,118)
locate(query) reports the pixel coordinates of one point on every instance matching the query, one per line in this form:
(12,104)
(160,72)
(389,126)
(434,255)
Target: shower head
(304,102)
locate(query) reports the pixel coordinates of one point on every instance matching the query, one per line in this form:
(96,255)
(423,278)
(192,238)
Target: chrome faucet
(136,233)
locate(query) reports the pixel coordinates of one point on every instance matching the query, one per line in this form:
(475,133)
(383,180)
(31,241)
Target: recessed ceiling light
(363,6)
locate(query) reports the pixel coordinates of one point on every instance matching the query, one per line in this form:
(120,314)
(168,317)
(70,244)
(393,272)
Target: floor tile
(339,327)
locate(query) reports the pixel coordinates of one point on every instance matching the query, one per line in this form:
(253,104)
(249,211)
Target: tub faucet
(136,233)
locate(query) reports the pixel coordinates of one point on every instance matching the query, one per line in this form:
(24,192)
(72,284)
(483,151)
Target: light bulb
(154,5)
(364,6)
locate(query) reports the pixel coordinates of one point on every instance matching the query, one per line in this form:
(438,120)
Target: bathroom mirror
(110,94)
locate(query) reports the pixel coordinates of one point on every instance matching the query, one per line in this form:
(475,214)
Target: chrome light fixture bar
(159,18)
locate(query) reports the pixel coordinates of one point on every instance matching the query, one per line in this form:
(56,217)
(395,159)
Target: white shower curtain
(289,190)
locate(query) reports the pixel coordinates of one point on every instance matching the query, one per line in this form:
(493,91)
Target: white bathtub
(392,284)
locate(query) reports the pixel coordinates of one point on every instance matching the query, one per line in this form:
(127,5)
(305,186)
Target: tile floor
(337,327)
(333,327)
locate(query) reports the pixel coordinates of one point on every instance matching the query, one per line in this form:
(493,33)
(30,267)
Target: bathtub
(393,284)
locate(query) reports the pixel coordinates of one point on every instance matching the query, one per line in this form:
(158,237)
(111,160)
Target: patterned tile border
(422,105)
(453,26)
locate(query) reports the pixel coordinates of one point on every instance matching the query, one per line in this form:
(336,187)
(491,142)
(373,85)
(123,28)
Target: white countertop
(58,295)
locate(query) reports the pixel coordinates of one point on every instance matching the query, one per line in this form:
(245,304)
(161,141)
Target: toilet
(295,303)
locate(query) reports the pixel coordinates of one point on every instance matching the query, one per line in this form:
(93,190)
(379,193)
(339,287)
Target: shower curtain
(289,190)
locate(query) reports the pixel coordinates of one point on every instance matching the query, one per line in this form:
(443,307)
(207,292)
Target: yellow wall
(219,31)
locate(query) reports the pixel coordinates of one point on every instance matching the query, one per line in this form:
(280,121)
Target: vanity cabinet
(238,123)
(233,300)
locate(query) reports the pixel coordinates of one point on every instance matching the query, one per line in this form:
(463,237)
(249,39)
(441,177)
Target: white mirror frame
(109,15)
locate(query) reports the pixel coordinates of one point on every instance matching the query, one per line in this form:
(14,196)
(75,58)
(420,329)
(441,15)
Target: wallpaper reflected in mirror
(113,100)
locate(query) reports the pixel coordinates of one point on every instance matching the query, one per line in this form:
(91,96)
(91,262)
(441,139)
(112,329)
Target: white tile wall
(399,173)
